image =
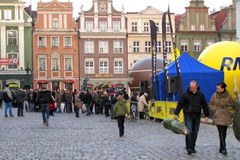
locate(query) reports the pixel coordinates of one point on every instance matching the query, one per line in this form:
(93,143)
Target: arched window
(55,23)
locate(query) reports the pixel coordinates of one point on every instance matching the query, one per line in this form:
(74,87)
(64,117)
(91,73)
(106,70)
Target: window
(159,46)
(192,27)
(14,65)
(184,46)
(67,41)
(12,37)
(136,46)
(89,67)
(7,14)
(55,42)
(134,27)
(209,43)
(147,46)
(89,26)
(169,46)
(168,27)
(103,46)
(55,23)
(42,64)
(89,47)
(118,66)
(118,46)
(146,27)
(41,41)
(116,26)
(103,26)
(103,66)
(197,46)
(55,64)
(157,25)
(68,64)
(202,28)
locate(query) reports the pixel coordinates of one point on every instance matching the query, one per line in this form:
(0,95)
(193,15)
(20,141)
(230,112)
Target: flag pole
(179,76)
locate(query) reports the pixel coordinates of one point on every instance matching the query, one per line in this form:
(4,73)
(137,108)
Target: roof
(189,65)
(177,19)
(219,18)
(146,64)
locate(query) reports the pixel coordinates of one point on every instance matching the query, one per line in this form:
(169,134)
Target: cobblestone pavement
(96,137)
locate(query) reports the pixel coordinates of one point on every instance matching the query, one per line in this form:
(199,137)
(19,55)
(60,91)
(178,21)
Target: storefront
(16,81)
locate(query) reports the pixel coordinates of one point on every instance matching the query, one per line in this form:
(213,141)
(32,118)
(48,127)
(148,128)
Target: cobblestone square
(96,137)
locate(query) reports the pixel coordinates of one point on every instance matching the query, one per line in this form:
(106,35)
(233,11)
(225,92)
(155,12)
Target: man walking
(191,102)
(20,95)
(44,98)
(8,99)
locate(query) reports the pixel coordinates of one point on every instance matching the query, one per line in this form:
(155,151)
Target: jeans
(8,105)
(96,108)
(20,109)
(45,111)
(31,106)
(120,120)
(192,122)
(26,106)
(76,110)
(88,106)
(112,108)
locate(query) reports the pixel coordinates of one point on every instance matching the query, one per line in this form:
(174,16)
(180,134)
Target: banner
(165,63)
(9,61)
(154,56)
(179,76)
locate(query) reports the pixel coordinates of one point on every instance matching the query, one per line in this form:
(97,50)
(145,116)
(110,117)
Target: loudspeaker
(143,87)
(172,85)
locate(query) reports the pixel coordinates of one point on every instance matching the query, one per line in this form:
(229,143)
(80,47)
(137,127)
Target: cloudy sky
(176,6)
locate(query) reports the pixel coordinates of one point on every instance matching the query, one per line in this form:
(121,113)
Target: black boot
(223,149)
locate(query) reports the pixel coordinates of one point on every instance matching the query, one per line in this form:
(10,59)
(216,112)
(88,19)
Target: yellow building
(139,39)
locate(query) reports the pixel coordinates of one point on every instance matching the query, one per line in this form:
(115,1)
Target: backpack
(6,99)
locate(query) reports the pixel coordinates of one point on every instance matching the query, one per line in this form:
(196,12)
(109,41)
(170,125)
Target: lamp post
(28,70)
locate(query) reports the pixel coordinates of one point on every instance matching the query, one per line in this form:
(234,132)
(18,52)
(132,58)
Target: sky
(176,6)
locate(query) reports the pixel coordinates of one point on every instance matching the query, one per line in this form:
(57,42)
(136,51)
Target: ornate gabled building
(195,29)
(103,45)
(139,38)
(55,46)
(225,21)
(15,45)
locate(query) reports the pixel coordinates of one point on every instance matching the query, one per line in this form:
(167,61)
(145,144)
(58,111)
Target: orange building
(103,45)
(55,46)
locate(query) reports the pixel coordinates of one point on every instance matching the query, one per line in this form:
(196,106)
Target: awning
(68,81)
(42,81)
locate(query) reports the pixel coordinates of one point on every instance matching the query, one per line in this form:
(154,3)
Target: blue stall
(191,69)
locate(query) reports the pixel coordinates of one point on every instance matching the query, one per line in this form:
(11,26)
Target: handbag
(79,105)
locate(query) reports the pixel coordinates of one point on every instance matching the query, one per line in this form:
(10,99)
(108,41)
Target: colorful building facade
(55,46)
(15,45)
(103,45)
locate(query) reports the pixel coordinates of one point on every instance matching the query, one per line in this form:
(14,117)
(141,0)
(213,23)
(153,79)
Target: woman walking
(120,111)
(78,104)
(221,105)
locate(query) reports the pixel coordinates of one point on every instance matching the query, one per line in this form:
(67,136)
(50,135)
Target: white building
(238,20)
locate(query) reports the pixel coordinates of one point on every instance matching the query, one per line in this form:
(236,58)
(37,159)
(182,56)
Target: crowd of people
(112,104)
(99,101)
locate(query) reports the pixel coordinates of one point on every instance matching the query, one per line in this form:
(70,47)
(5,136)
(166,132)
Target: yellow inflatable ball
(224,56)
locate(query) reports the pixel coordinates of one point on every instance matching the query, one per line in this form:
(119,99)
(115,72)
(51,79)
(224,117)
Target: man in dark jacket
(192,101)
(88,102)
(44,98)
(20,95)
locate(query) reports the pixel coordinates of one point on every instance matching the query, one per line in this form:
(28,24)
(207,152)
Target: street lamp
(28,70)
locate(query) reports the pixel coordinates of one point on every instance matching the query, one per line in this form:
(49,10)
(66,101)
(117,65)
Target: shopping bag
(175,126)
